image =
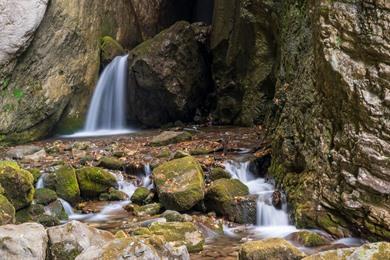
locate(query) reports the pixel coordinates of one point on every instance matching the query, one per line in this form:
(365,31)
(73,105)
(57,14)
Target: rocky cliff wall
(331,130)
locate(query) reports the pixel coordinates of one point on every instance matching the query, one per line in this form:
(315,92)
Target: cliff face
(48,74)
(331,135)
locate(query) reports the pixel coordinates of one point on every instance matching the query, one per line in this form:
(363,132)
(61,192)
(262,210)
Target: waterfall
(107,110)
(40,183)
(267,214)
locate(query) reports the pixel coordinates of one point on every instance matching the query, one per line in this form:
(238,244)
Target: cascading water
(107,110)
(270,221)
(111,209)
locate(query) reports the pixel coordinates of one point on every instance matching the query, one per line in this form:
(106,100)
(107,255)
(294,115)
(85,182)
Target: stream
(271,222)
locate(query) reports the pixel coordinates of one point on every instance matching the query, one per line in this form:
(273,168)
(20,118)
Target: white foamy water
(40,183)
(116,208)
(267,214)
(107,110)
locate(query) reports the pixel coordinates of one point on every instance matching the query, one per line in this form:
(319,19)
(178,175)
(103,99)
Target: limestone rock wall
(51,77)
(331,130)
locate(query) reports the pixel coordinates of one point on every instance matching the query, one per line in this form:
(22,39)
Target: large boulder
(273,248)
(7,211)
(18,22)
(64,183)
(71,239)
(25,241)
(44,196)
(228,197)
(93,181)
(111,163)
(179,183)
(139,247)
(169,76)
(373,251)
(121,248)
(17,184)
(142,196)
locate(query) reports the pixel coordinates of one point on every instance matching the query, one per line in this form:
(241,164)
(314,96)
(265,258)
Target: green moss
(64,182)
(110,48)
(113,195)
(57,210)
(11,164)
(180,231)
(140,195)
(180,183)
(311,239)
(221,194)
(45,196)
(17,184)
(273,248)
(30,213)
(93,181)
(36,173)
(218,173)
(66,250)
(111,163)
(147,210)
(7,211)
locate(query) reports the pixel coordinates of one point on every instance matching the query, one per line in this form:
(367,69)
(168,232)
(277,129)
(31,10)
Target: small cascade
(107,110)
(267,214)
(40,183)
(67,207)
(116,208)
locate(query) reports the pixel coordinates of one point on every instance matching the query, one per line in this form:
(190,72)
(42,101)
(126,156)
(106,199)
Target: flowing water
(269,220)
(107,110)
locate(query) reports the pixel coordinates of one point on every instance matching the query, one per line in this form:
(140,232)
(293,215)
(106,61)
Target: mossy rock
(141,195)
(17,184)
(170,137)
(47,220)
(64,183)
(44,196)
(172,216)
(146,210)
(93,181)
(221,194)
(179,183)
(57,210)
(111,163)
(273,248)
(182,232)
(66,250)
(113,195)
(11,164)
(110,48)
(30,213)
(36,173)
(7,211)
(180,154)
(218,173)
(309,238)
